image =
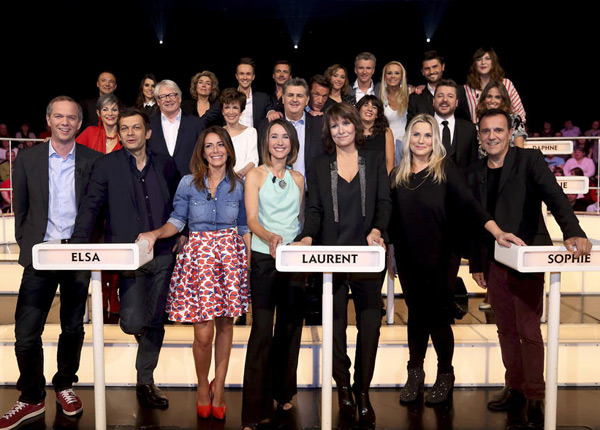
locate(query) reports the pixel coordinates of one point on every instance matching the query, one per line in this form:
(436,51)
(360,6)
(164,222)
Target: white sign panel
(574,184)
(291,258)
(90,256)
(547,259)
(549,147)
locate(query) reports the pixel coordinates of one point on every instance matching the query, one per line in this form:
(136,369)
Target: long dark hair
(342,111)
(140,100)
(199,165)
(381,122)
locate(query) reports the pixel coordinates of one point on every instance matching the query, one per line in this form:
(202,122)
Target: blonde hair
(401,174)
(401,95)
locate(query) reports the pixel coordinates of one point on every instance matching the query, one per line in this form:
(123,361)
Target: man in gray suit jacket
(49,181)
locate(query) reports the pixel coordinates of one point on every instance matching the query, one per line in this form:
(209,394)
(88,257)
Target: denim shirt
(222,211)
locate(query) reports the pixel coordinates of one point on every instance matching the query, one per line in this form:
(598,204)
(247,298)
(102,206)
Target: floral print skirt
(210,278)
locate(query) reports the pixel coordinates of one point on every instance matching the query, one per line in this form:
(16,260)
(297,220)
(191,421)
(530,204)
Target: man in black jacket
(511,183)
(135,188)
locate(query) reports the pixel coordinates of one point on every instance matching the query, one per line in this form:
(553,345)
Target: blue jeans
(143,295)
(36,293)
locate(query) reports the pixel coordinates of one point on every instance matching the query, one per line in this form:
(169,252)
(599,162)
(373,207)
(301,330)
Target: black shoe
(508,398)
(366,414)
(346,401)
(152,396)
(414,385)
(535,414)
(441,390)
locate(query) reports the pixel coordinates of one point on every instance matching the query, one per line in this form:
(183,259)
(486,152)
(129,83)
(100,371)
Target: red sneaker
(70,403)
(19,413)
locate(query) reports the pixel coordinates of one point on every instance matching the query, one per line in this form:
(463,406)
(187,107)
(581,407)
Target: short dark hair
(495,112)
(345,111)
(433,55)
(286,62)
(447,83)
(232,95)
(319,80)
(247,61)
(133,111)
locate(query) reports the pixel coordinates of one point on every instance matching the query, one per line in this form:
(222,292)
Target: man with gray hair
(364,67)
(174,132)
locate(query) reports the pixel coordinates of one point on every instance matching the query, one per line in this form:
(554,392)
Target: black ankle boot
(442,389)
(345,400)
(366,414)
(414,385)
(534,412)
(507,398)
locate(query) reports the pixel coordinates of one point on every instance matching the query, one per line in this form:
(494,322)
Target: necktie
(446,135)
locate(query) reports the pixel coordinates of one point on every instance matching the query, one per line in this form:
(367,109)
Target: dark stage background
(58,47)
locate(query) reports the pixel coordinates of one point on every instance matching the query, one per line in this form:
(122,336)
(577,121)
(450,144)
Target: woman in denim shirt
(209,286)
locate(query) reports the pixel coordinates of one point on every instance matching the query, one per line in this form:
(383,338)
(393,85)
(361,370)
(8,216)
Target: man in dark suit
(432,69)
(364,67)
(511,183)
(282,72)
(136,187)
(107,84)
(174,132)
(257,103)
(319,95)
(49,181)
(458,136)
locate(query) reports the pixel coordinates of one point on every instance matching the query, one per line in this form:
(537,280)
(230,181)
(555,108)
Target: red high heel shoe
(217,411)
(204,410)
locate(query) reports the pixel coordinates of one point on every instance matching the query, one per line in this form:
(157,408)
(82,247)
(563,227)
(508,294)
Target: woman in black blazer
(349,204)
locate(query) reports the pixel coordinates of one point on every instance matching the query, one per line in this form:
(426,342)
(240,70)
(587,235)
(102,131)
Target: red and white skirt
(210,278)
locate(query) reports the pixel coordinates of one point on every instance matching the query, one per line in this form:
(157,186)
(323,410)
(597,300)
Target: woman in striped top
(485,67)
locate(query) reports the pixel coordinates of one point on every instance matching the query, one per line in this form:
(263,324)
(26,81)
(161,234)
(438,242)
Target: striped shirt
(473,98)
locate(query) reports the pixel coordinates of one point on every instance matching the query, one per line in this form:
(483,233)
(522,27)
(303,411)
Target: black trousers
(366,294)
(36,293)
(143,295)
(272,355)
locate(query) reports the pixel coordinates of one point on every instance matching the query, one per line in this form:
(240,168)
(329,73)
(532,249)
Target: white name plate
(90,256)
(574,184)
(547,259)
(328,259)
(549,147)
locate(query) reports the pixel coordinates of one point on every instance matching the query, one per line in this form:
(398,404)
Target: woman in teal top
(273,195)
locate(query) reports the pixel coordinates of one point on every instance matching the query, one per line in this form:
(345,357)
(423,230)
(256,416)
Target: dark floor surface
(577,409)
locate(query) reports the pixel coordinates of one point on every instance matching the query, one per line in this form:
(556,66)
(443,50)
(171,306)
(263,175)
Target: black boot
(346,401)
(508,398)
(535,414)
(442,389)
(366,414)
(414,385)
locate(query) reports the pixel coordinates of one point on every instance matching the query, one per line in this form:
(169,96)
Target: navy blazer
(189,130)
(463,150)
(111,191)
(31,193)
(525,182)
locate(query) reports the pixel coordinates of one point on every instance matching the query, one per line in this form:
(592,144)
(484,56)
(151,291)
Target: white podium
(329,259)
(553,259)
(95,257)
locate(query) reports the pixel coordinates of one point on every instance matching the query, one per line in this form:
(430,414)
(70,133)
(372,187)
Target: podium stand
(329,260)
(95,257)
(553,259)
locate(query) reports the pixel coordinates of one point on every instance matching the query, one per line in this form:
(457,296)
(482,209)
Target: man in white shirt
(257,103)
(364,67)
(174,132)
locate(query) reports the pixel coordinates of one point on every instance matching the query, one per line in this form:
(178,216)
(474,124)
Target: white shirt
(451,124)
(358,92)
(170,131)
(300,127)
(246,118)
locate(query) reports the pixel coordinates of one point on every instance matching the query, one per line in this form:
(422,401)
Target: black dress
(422,230)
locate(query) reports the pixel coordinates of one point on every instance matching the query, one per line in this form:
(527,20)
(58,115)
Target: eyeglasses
(168,96)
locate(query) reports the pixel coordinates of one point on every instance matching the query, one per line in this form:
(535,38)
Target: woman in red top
(103,137)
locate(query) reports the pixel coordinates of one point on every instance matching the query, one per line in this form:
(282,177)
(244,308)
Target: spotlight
(295,46)
(428,40)
(160,41)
